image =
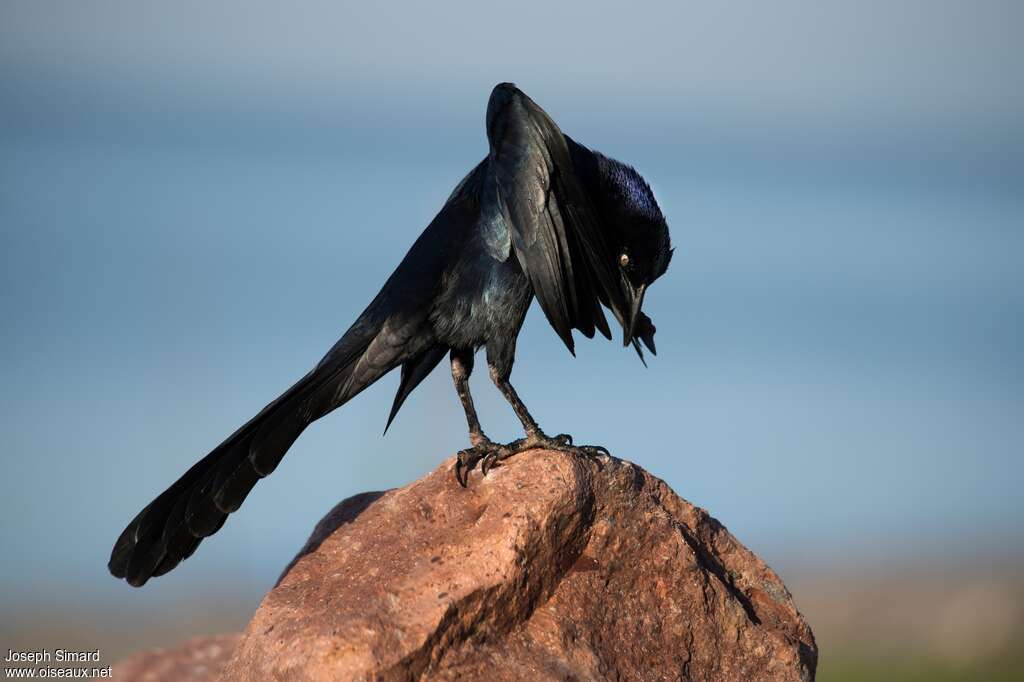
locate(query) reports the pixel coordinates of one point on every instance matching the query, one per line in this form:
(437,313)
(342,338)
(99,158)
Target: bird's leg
(535,437)
(484,450)
(482,446)
(462,367)
(507,390)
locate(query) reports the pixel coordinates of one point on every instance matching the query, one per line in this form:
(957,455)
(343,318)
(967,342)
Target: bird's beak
(634,313)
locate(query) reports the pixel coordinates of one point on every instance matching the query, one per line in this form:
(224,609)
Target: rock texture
(550,568)
(197,660)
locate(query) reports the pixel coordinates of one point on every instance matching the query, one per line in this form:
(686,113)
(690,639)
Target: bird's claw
(563,443)
(592,453)
(487,454)
(464,463)
(489,460)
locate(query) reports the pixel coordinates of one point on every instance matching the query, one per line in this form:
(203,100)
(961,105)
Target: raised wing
(557,234)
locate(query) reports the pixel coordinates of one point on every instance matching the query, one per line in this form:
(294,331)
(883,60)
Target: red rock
(198,660)
(547,569)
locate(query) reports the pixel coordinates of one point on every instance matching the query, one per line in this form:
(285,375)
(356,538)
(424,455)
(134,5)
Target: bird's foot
(561,443)
(488,453)
(467,459)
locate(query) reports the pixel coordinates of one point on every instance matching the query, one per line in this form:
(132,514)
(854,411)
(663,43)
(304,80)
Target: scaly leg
(535,437)
(484,450)
(462,367)
(482,446)
(488,453)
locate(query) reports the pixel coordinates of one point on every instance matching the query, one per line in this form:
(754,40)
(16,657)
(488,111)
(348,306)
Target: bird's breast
(481,299)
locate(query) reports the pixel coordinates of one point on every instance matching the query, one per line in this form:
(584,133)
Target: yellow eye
(624,260)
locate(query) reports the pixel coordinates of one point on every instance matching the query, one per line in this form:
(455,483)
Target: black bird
(541,216)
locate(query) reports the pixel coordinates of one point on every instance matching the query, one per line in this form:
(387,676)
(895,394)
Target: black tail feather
(170,528)
(414,371)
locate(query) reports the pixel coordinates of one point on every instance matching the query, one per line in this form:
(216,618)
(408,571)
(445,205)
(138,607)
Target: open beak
(634,314)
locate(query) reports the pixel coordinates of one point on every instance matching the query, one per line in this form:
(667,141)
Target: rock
(548,569)
(198,660)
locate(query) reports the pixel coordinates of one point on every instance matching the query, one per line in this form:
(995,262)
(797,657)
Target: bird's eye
(624,260)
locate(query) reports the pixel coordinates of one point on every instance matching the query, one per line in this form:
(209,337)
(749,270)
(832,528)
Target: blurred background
(197,198)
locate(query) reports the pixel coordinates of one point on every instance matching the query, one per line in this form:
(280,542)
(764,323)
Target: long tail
(170,527)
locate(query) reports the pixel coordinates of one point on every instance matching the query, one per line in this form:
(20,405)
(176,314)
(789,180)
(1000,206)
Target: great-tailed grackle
(541,216)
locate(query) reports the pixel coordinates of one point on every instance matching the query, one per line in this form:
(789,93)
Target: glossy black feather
(414,371)
(558,235)
(393,329)
(540,216)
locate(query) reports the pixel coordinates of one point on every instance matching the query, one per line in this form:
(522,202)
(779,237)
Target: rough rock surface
(550,568)
(198,660)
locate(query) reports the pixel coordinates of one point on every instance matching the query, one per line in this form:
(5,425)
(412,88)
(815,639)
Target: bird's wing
(556,232)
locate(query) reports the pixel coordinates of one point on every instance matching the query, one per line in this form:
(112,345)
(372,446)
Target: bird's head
(640,243)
